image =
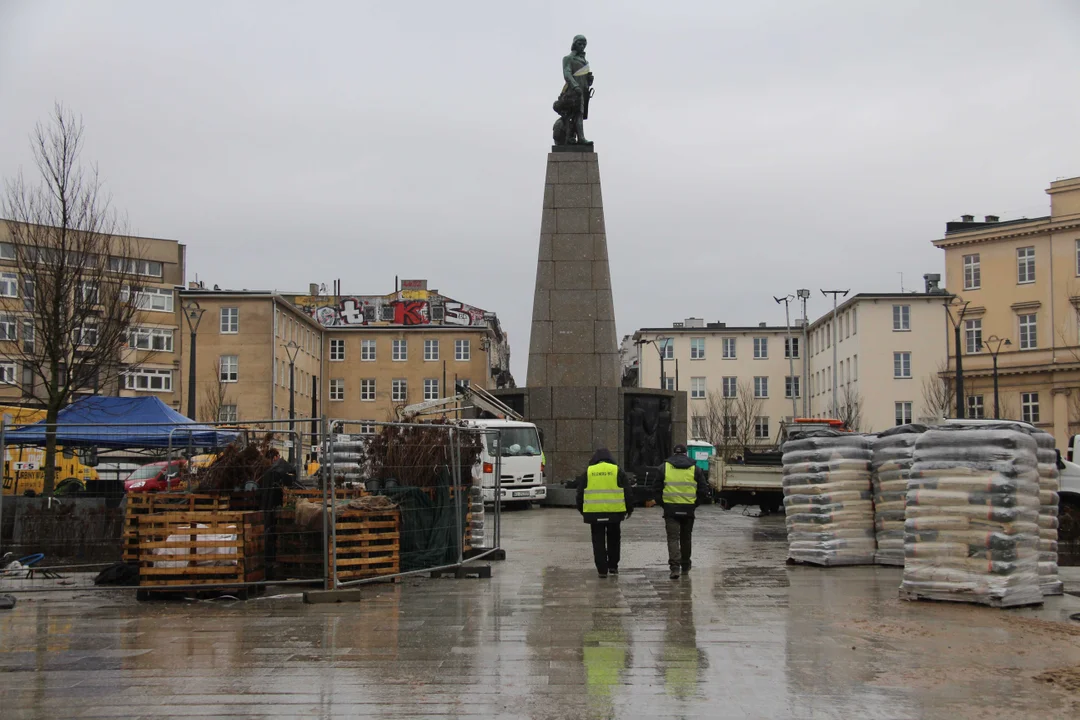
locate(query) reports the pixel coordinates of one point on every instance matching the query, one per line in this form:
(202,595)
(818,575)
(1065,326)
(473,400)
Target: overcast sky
(746,148)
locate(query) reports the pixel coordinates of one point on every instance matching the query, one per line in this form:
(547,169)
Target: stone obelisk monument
(574,372)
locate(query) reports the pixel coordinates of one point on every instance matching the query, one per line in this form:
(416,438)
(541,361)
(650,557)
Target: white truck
(519,456)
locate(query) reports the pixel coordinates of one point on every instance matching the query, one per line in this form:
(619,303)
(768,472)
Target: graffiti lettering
(411,312)
(351,312)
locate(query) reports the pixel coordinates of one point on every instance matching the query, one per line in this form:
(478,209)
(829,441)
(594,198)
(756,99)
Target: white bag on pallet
(1049,580)
(893,456)
(828,500)
(972,522)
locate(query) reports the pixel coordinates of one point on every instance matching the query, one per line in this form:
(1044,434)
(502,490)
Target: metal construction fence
(224,509)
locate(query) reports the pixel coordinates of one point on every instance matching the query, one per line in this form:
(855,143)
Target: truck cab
(517,454)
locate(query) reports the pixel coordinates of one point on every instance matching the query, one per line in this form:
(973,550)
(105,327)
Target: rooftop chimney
(991,218)
(313,289)
(762,325)
(694,322)
(967,218)
(932,281)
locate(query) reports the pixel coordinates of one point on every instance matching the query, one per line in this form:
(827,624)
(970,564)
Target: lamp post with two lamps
(993,345)
(661,344)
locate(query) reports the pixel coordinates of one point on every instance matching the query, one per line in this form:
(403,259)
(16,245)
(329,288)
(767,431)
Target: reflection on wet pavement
(742,635)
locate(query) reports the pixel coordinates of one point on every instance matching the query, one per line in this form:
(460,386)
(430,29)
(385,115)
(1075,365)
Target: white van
(521,467)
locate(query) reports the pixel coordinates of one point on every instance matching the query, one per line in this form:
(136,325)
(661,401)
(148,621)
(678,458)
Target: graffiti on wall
(406,307)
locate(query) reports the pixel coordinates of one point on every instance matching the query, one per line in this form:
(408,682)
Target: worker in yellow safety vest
(603,499)
(684,485)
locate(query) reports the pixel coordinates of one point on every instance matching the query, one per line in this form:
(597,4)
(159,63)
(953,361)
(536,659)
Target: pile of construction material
(972,517)
(1049,580)
(828,499)
(894,452)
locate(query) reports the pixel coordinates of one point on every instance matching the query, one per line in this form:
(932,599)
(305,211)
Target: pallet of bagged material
(988,600)
(201,548)
(138,504)
(368,544)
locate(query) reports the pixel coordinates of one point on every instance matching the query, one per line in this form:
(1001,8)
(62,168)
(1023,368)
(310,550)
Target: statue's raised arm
(573,103)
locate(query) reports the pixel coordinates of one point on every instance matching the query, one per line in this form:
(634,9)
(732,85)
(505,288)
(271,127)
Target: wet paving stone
(741,636)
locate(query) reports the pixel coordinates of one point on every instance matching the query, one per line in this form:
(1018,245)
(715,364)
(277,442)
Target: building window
(367,428)
(1025,265)
(761,387)
(229,368)
(337,389)
(462,350)
(761,348)
(132,266)
(791,348)
(149,380)
(28,335)
(7,251)
(901,318)
(730,387)
(431,388)
(728,345)
(399,391)
(854,321)
(669,383)
(8,327)
(697,348)
(7,373)
(973,336)
(85,336)
(1029,407)
(902,365)
(761,428)
(431,350)
(399,351)
(698,427)
(9,285)
(791,383)
(903,413)
(465,382)
(367,390)
(230,320)
(667,348)
(151,299)
(159,339)
(972,273)
(975,409)
(697,388)
(1078,258)
(730,426)
(227,413)
(367,350)
(89,293)
(1028,339)
(337,350)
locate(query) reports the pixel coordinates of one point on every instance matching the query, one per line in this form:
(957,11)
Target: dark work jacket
(621,479)
(683,510)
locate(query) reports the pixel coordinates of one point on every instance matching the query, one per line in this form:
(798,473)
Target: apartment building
(152,268)
(355,357)
(887,350)
(1017,287)
(739,380)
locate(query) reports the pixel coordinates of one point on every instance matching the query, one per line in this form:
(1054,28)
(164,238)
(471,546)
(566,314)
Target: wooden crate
(179,532)
(138,504)
(368,544)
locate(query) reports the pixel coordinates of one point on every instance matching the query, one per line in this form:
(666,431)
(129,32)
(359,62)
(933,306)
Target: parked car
(155,477)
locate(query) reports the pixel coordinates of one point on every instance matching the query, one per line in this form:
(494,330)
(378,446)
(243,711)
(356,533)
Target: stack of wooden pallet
(138,505)
(368,544)
(214,548)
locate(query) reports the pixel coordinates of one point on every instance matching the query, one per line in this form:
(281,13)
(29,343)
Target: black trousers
(679,531)
(606,544)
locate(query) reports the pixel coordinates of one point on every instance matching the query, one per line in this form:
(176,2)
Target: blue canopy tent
(123,423)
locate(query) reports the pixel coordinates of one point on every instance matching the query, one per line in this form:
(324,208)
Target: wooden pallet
(140,504)
(990,601)
(242,554)
(368,544)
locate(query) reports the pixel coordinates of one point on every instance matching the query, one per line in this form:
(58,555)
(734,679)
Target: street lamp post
(193,315)
(292,349)
(835,339)
(804,295)
(956,322)
(788,350)
(660,344)
(997,343)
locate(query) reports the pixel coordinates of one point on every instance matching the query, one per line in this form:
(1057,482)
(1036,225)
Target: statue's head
(579,43)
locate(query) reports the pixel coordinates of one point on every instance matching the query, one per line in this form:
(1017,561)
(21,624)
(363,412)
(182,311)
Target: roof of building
(953,226)
(827,316)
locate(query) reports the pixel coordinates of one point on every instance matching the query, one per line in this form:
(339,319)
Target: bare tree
(215,397)
(745,411)
(937,392)
(850,408)
(70,258)
(715,422)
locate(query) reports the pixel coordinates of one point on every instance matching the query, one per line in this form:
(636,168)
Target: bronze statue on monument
(573,102)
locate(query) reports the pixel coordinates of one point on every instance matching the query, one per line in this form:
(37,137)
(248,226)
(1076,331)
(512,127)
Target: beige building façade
(1019,281)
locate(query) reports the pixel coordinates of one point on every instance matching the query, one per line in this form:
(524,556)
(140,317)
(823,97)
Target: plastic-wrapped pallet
(890,467)
(828,500)
(1049,579)
(971,530)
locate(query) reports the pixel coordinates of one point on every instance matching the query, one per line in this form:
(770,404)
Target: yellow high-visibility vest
(602,491)
(679,485)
